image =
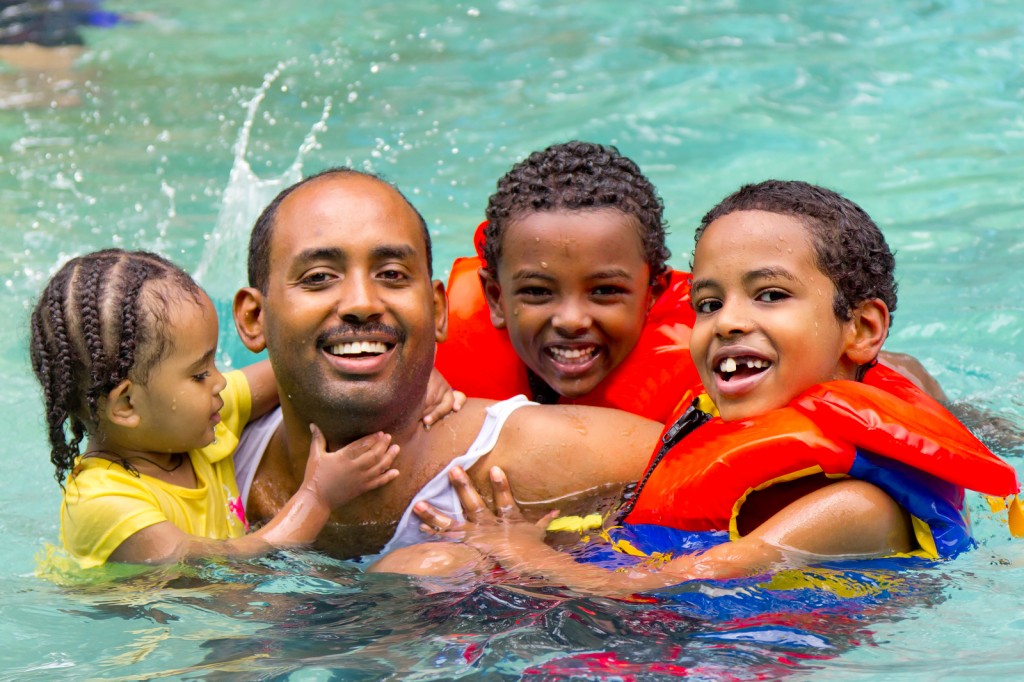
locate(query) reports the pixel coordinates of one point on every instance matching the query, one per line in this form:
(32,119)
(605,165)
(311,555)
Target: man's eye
(314,278)
(392,274)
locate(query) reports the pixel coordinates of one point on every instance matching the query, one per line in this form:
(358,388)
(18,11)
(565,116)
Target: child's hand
(441,400)
(342,475)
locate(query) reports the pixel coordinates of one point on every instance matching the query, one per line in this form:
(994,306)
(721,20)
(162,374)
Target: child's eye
(201,377)
(533,293)
(771,296)
(609,290)
(707,305)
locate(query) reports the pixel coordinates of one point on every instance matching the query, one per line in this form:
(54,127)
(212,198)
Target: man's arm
(551,452)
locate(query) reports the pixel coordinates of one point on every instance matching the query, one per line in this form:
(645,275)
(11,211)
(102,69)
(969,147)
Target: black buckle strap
(682,427)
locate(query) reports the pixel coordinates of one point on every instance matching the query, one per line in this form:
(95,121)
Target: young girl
(123,344)
(818,452)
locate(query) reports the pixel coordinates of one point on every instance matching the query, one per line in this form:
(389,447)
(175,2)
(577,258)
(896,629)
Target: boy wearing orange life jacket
(817,452)
(570,298)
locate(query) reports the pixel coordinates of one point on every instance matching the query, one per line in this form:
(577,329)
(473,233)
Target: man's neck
(340,429)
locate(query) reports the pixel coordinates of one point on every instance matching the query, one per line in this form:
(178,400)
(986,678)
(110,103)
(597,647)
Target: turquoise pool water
(912,110)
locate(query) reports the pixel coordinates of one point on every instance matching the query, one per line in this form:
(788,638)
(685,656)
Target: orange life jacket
(655,380)
(883,430)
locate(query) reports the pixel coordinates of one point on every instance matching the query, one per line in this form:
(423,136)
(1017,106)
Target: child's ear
(870,327)
(248,313)
(492,292)
(118,408)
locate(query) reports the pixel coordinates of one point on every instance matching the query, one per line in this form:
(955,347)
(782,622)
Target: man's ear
(118,408)
(440,311)
(869,329)
(492,294)
(248,313)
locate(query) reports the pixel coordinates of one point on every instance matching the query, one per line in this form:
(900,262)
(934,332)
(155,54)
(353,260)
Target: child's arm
(441,400)
(331,480)
(262,387)
(844,520)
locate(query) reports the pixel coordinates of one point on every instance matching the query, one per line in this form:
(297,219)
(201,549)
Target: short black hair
(849,247)
(577,175)
(259,241)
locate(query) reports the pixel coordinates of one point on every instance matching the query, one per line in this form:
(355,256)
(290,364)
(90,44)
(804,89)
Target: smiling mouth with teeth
(358,348)
(570,356)
(744,366)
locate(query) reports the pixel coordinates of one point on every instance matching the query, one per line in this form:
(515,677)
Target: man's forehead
(344,210)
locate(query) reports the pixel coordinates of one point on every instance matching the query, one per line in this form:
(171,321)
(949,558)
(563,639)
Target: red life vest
(883,430)
(655,380)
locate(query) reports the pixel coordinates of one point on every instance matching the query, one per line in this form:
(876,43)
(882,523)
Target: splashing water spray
(222,269)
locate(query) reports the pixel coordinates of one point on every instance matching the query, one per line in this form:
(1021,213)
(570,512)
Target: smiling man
(342,299)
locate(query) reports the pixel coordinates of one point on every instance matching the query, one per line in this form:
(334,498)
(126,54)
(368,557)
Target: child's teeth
(728,365)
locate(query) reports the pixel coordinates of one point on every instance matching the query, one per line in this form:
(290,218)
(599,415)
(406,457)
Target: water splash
(222,269)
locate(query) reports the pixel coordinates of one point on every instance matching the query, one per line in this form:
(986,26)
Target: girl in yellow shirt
(123,344)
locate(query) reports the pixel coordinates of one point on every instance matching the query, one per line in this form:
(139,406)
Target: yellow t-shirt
(104,504)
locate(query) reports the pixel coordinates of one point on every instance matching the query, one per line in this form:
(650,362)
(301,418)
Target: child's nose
(572,319)
(219,382)
(732,320)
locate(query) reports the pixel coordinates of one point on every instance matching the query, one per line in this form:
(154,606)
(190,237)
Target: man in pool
(341,297)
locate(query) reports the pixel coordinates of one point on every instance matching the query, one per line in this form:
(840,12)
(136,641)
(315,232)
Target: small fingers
(383,479)
(472,504)
(504,502)
(459,399)
(434,522)
(368,449)
(317,444)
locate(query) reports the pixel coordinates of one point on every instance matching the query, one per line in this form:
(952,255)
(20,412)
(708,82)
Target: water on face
(189,122)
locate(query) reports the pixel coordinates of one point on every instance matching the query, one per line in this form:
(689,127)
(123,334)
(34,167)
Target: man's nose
(359,299)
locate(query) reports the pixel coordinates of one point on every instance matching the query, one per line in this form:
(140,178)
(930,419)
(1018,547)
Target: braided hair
(99,320)
(577,176)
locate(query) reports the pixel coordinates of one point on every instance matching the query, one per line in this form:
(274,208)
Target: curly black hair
(99,320)
(849,247)
(577,176)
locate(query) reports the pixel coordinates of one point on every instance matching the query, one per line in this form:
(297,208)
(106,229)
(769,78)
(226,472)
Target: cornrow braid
(98,321)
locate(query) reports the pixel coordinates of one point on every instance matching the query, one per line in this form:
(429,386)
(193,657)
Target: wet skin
(765,329)
(573,291)
(348,264)
(178,406)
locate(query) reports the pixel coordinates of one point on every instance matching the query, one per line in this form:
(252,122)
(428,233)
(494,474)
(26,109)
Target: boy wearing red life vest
(570,298)
(818,451)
